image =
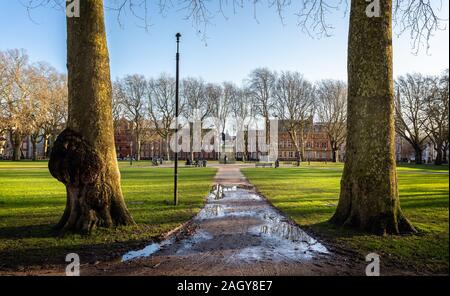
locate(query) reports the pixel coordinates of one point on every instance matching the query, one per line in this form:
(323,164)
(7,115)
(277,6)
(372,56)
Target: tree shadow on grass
(332,232)
(28,231)
(40,246)
(51,256)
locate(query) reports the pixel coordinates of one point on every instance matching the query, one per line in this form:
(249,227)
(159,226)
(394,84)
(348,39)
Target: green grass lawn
(310,194)
(31,202)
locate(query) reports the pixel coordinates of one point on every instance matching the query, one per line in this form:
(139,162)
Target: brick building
(154,148)
(317,145)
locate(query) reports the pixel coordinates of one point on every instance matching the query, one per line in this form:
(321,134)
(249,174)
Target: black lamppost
(175,183)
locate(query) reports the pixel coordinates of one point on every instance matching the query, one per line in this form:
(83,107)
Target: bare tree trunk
(298,156)
(245,157)
(267,124)
(34,146)
(46,146)
(302,146)
(191,142)
(138,148)
(335,155)
(83,156)
(438,159)
(418,152)
(168,148)
(369,197)
(51,143)
(444,154)
(16,140)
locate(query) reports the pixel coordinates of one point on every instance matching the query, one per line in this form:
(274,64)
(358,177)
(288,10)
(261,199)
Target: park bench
(197,164)
(263,165)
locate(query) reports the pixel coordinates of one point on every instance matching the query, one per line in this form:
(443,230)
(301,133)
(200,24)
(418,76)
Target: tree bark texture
(83,157)
(369,198)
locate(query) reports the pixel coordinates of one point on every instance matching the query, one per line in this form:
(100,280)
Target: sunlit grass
(309,195)
(31,202)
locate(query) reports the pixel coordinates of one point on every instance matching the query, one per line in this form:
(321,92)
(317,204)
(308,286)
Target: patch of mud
(197,238)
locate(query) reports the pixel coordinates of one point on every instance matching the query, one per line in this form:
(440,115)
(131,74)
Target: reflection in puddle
(276,229)
(219,191)
(278,238)
(211,211)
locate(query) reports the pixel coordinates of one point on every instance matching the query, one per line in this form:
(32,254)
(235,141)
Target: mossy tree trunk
(369,197)
(83,157)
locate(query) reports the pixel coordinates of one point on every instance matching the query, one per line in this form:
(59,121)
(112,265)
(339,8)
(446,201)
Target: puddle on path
(277,238)
(147,251)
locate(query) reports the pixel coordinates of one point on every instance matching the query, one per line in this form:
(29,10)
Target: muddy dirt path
(237,233)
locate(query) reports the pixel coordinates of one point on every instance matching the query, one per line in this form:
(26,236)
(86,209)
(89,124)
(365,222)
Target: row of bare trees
(149,105)
(33,101)
(422,113)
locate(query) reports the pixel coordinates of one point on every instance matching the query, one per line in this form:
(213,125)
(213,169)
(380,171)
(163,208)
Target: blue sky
(234,47)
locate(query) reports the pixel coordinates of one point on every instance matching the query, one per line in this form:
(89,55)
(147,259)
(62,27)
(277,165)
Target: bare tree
(241,107)
(262,86)
(27,92)
(444,86)
(193,92)
(118,110)
(132,91)
(295,107)
(220,97)
(4,81)
(198,106)
(161,107)
(436,108)
(39,96)
(411,118)
(332,112)
(15,99)
(56,112)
